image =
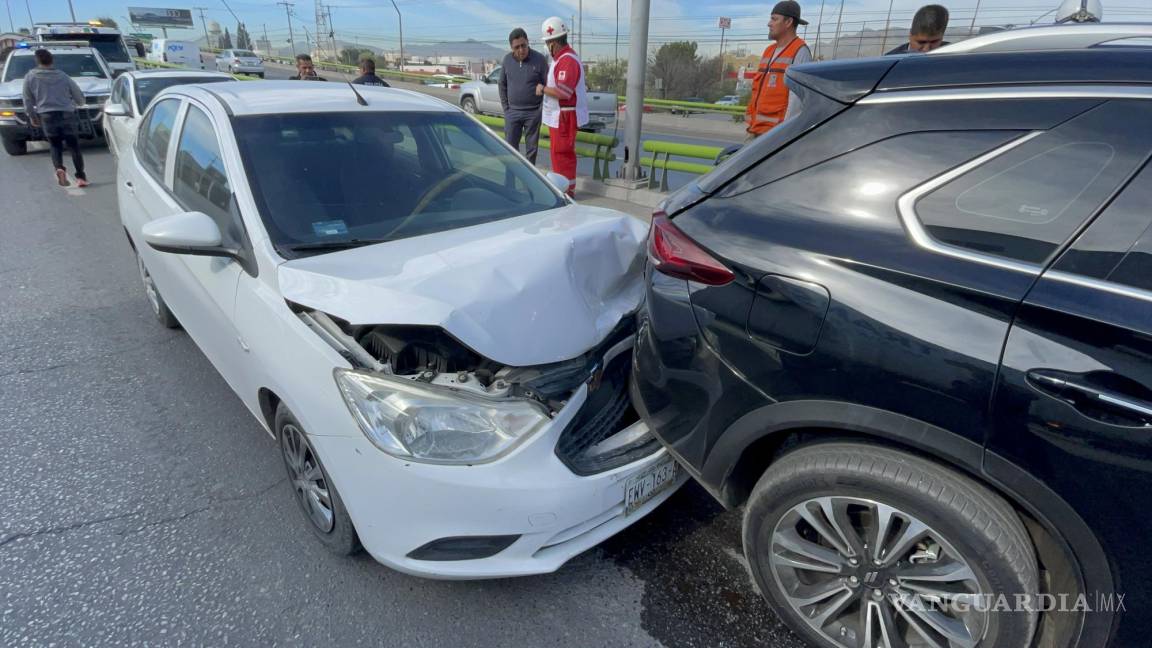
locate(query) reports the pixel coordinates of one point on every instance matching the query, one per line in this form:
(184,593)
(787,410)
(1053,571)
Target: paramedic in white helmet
(565,99)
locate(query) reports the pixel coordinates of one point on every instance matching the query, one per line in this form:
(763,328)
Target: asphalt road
(140,502)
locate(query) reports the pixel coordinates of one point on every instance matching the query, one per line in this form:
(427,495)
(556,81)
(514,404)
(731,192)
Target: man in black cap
(769,104)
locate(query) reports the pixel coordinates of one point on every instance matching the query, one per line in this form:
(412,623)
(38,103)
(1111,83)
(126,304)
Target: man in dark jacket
(368,75)
(51,98)
(522,70)
(305,69)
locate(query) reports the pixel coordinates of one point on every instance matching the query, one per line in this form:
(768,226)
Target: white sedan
(133,91)
(439,340)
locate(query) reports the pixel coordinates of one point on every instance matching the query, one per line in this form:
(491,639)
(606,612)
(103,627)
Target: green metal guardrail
(691,106)
(661,160)
(601,150)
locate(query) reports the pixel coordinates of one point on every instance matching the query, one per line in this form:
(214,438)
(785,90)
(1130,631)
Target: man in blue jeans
(50,99)
(523,68)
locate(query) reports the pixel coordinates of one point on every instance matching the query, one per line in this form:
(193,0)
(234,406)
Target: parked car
(83,64)
(728,100)
(176,52)
(909,332)
(443,360)
(238,61)
(483,97)
(131,94)
(688,110)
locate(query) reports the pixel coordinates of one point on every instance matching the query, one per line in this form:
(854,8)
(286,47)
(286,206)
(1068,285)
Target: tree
(108,22)
(243,40)
(226,40)
(684,73)
(610,76)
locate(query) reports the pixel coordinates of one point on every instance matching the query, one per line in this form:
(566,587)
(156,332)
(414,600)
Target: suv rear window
(1026,203)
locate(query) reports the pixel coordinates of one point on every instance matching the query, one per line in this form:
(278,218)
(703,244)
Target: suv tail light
(676,255)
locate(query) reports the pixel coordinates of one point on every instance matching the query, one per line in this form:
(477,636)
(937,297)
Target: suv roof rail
(1051,37)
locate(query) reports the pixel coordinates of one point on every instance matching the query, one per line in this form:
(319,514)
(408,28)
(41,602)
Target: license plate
(648,484)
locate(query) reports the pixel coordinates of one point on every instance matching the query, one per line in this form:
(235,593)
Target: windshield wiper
(335,245)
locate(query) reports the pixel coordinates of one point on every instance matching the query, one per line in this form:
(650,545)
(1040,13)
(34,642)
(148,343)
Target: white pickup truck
(483,97)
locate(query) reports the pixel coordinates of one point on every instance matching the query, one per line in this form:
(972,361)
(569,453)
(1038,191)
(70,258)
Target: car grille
(607,411)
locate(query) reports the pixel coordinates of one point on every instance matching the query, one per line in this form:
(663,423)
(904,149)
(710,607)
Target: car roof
(56,50)
(301,97)
(1099,64)
(162,72)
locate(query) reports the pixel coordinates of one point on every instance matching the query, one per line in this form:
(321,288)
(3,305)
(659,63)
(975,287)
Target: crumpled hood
(524,291)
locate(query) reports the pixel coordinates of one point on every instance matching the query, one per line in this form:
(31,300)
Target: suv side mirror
(193,233)
(116,110)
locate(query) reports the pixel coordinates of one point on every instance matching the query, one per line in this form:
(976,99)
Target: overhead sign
(160,17)
(725,23)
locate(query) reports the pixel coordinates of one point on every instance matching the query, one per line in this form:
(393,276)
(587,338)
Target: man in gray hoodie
(522,69)
(50,99)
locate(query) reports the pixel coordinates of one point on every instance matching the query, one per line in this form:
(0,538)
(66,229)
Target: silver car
(238,61)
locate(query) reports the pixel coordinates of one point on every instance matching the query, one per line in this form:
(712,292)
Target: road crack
(214,502)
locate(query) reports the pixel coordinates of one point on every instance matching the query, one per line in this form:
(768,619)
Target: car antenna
(359,99)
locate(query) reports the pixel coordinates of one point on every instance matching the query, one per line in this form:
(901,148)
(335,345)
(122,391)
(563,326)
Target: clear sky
(373,22)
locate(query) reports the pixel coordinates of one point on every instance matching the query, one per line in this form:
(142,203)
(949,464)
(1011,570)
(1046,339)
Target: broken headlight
(421,422)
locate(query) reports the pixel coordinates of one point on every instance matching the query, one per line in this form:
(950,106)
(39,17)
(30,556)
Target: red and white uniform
(565,115)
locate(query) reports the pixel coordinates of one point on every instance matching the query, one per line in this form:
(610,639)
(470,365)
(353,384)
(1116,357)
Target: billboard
(725,23)
(160,17)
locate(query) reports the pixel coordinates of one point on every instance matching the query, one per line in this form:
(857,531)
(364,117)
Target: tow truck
(106,40)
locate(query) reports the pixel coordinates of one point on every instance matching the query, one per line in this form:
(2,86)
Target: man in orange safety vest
(769,103)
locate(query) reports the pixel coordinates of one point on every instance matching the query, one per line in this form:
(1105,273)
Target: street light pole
(634,101)
(72,10)
(400,24)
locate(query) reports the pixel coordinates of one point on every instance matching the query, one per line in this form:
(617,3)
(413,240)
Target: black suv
(910,331)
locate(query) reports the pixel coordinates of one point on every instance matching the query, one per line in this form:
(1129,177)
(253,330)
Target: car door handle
(1077,392)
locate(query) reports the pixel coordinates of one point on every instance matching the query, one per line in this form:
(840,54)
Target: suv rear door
(1074,400)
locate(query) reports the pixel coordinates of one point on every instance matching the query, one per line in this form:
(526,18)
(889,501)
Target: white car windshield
(74,65)
(328,181)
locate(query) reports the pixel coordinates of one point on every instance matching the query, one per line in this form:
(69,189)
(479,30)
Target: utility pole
(400,24)
(72,10)
(887,25)
(11,25)
(816,50)
(976,12)
(617,59)
(33,22)
(637,67)
(288,12)
(204,23)
(580,34)
(839,21)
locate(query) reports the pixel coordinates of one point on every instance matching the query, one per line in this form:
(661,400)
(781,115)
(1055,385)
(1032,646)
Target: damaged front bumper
(526,513)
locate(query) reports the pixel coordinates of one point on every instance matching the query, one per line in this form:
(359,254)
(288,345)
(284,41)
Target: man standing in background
(770,101)
(522,70)
(927,33)
(51,98)
(565,99)
(368,75)
(305,69)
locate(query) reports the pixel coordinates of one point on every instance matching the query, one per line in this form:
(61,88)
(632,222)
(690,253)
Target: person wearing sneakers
(51,98)
(565,99)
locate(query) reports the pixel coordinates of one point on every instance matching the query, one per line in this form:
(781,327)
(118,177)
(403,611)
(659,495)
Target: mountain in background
(469,49)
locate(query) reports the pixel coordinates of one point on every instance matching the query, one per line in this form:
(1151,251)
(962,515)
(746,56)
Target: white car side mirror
(187,233)
(558,181)
(116,110)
